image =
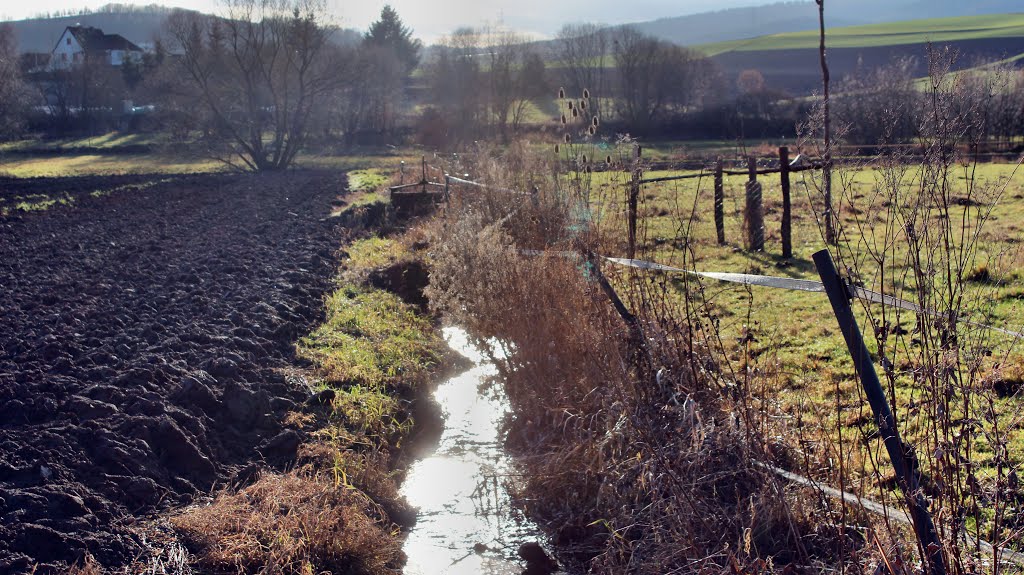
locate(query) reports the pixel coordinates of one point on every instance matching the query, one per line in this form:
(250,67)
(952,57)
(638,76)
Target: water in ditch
(466,523)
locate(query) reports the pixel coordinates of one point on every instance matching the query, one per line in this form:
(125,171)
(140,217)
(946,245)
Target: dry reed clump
(635,461)
(86,566)
(291,523)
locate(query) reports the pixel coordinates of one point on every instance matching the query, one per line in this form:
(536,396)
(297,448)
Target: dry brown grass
(87,566)
(291,523)
(639,458)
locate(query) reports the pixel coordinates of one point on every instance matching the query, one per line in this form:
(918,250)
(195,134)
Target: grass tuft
(292,524)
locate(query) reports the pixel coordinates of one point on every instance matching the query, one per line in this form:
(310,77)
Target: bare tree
(175,100)
(515,75)
(85,97)
(260,71)
(456,82)
(14,95)
(887,95)
(350,107)
(654,77)
(583,51)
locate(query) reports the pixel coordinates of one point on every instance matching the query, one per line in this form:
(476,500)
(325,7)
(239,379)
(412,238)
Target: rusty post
(719,202)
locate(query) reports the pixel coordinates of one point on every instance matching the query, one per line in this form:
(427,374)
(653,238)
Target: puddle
(460,488)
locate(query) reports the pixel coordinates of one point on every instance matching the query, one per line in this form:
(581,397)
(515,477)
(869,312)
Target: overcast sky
(433,18)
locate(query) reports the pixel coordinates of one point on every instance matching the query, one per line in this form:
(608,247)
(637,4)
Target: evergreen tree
(389,32)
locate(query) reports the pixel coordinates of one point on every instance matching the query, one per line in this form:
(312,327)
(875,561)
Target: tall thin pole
(826,168)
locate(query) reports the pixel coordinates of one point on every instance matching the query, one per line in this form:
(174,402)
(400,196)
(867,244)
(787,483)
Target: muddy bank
(143,350)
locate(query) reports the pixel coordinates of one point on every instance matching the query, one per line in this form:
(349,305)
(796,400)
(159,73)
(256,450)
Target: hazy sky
(433,18)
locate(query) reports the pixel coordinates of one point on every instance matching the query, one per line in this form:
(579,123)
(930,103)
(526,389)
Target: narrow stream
(466,522)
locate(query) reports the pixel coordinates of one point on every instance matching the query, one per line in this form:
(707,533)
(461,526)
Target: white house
(78,42)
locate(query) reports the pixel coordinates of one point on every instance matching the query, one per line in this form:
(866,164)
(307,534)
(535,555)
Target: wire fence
(841,292)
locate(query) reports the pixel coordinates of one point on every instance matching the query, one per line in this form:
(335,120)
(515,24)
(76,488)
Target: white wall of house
(64,54)
(69,52)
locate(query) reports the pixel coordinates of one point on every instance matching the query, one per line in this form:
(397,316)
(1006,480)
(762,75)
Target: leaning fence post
(753,214)
(447,186)
(719,202)
(634,194)
(906,472)
(787,224)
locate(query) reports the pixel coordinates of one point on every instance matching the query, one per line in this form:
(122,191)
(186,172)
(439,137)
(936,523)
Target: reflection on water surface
(466,523)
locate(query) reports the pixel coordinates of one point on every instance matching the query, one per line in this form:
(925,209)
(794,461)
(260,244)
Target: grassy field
(785,345)
(121,153)
(888,34)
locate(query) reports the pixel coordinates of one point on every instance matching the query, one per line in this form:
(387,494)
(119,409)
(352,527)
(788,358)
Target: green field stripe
(888,34)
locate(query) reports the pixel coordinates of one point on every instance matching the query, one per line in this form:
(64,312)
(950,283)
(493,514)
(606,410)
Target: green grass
(98,165)
(799,357)
(370,337)
(887,34)
(374,252)
(109,140)
(37,203)
(78,158)
(41,202)
(367,180)
(370,346)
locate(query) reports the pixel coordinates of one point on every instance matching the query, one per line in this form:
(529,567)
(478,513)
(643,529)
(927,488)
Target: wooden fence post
(423,159)
(719,202)
(634,194)
(787,224)
(753,214)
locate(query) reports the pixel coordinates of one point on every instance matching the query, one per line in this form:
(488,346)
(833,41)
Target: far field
(936,30)
(789,62)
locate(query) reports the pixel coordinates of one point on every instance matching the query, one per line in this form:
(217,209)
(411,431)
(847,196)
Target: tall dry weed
(915,234)
(638,459)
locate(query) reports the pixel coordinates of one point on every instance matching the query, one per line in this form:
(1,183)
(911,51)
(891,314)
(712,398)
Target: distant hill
(140,25)
(789,61)
(796,16)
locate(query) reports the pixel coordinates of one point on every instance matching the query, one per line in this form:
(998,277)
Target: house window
(64,56)
(68,41)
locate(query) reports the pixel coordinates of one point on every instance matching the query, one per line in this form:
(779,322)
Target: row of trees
(484,81)
(269,76)
(15,94)
(989,101)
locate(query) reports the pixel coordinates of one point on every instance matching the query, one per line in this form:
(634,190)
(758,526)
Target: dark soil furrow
(141,338)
